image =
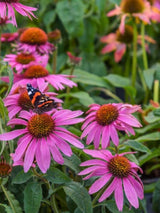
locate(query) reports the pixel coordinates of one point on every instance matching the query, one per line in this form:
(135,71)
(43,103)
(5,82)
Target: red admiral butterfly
(41,102)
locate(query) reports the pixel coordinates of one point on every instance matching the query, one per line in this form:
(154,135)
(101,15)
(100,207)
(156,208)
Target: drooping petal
(118,194)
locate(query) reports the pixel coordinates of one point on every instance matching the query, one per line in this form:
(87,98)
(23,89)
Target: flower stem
(145,61)
(55,53)
(41,177)
(134,59)
(156,91)
(53,204)
(0,40)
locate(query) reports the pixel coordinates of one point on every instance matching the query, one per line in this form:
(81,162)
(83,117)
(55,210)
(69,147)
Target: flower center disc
(40,125)
(24,101)
(35,71)
(23,58)
(106,114)
(127,37)
(119,166)
(34,36)
(132,6)
(5,169)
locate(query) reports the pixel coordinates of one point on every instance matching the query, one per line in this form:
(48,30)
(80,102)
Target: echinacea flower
(19,100)
(21,61)
(38,75)
(35,39)
(5,168)
(118,42)
(132,8)
(102,123)
(7,8)
(44,135)
(116,174)
(155,7)
(5,20)
(54,36)
(73,59)
(9,37)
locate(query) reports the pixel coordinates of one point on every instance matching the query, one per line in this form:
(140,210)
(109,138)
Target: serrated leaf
(80,196)
(71,14)
(14,204)
(149,137)
(72,162)
(21,177)
(137,146)
(56,176)
(83,97)
(32,197)
(7,208)
(156,198)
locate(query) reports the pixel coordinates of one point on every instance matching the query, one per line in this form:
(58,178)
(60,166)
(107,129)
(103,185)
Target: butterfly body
(41,102)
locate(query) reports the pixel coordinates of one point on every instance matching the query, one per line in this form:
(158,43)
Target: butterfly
(41,102)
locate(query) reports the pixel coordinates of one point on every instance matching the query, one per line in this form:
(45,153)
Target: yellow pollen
(132,6)
(35,71)
(24,101)
(41,125)
(23,58)
(106,114)
(33,35)
(119,166)
(127,37)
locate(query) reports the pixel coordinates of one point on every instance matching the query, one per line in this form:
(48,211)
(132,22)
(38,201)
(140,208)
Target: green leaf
(56,176)
(14,204)
(150,118)
(147,157)
(156,198)
(21,177)
(88,78)
(115,1)
(71,14)
(7,208)
(117,80)
(49,18)
(32,197)
(72,162)
(137,146)
(3,110)
(80,196)
(83,97)
(149,137)
(10,74)
(148,127)
(149,77)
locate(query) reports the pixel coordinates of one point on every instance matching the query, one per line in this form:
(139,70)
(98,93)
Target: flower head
(5,168)
(35,39)
(132,8)
(9,37)
(73,59)
(7,8)
(116,173)
(38,75)
(102,123)
(44,135)
(19,100)
(21,61)
(54,36)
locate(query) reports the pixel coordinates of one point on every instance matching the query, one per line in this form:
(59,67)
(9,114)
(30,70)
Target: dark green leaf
(83,97)
(156,198)
(21,177)
(149,77)
(72,162)
(137,146)
(147,157)
(32,197)
(80,196)
(117,80)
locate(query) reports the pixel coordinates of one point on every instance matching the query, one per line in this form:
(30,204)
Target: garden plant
(79,106)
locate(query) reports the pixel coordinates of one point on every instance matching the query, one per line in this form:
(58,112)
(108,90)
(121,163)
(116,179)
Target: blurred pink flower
(19,100)
(118,42)
(38,75)
(34,39)
(21,61)
(7,9)
(44,135)
(155,7)
(5,20)
(73,59)
(136,8)
(116,173)
(102,123)
(9,37)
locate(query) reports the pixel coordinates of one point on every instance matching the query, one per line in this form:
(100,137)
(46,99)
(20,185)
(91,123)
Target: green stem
(146,91)
(134,60)
(55,53)
(0,41)
(41,177)
(156,91)
(53,204)
(145,61)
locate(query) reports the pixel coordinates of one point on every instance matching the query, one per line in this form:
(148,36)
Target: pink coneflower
(102,123)
(21,61)
(7,9)
(116,173)
(4,21)
(35,39)
(9,37)
(37,75)
(19,100)
(44,135)
(132,8)
(118,42)
(155,7)
(73,59)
